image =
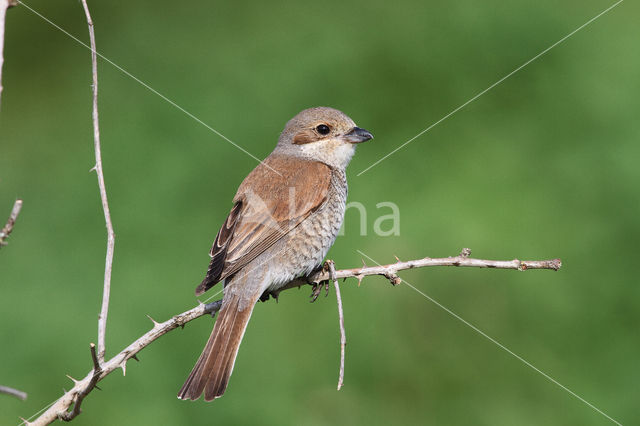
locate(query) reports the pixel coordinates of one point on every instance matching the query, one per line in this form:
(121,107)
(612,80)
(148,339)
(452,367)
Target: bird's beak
(357,135)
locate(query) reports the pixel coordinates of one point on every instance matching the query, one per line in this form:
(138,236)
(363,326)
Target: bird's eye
(323,129)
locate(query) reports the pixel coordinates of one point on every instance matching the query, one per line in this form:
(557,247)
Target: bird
(286,215)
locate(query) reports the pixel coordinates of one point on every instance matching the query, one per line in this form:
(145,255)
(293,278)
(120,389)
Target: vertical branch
(102,319)
(343,337)
(4,5)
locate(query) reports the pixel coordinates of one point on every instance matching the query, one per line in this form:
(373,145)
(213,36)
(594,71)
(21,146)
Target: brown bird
(286,215)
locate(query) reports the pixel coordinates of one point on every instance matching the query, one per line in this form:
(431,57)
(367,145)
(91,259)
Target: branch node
(465,253)
(393,278)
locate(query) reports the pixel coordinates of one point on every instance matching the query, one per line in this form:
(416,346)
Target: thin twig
(102,319)
(8,227)
(4,5)
(62,405)
(13,392)
(343,336)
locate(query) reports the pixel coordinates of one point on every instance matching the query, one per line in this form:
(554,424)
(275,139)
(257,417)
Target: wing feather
(268,205)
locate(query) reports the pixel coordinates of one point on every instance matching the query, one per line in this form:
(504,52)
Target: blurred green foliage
(544,165)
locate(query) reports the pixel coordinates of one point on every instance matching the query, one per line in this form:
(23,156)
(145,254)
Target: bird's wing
(275,198)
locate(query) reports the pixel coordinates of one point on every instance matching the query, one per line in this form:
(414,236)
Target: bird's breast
(308,243)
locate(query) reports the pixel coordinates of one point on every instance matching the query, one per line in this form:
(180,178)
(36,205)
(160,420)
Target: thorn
(124,368)
(134,356)
(93,169)
(364,265)
(97,387)
(72,379)
(152,320)
(397,258)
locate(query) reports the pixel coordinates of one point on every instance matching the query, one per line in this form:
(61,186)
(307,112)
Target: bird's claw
(317,289)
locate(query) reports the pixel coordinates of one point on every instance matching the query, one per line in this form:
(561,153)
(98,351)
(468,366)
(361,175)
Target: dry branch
(102,319)
(4,5)
(343,336)
(13,392)
(83,387)
(8,227)
(463,260)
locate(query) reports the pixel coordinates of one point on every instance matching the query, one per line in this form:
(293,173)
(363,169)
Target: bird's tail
(215,365)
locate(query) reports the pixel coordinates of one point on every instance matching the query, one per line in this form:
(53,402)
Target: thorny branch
(83,387)
(93,381)
(8,227)
(463,259)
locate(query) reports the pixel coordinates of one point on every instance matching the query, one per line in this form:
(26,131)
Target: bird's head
(322,134)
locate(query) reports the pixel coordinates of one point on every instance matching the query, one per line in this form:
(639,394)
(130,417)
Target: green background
(543,165)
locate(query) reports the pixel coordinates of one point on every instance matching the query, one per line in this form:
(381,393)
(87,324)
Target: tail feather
(215,365)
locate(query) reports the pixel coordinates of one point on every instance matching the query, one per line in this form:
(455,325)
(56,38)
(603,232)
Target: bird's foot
(317,289)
